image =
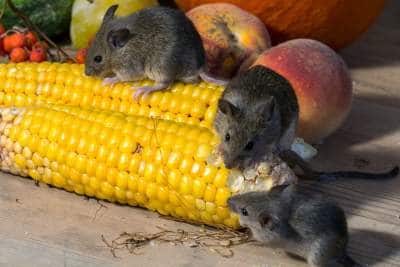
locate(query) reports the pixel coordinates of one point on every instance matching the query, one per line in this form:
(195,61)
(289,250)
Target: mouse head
(252,207)
(263,212)
(246,134)
(247,207)
(97,62)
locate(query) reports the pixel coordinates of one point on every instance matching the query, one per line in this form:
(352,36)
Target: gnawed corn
(62,128)
(157,164)
(133,160)
(25,84)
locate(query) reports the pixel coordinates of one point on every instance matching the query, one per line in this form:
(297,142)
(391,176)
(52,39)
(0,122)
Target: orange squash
(334,22)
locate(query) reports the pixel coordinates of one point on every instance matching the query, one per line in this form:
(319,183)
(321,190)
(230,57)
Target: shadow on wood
(373,247)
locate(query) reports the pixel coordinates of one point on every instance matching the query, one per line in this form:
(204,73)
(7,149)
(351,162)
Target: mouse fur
(304,225)
(257,112)
(159,43)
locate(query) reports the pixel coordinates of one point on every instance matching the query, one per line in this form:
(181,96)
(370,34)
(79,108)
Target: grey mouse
(257,115)
(159,43)
(306,226)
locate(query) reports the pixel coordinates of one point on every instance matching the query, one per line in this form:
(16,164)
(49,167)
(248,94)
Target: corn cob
(160,165)
(25,84)
(150,159)
(117,158)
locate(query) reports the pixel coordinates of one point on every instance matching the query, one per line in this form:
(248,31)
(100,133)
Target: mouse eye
(98,59)
(227,137)
(249,146)
(244,212)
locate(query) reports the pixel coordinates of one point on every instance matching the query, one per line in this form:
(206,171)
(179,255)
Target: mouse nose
(229,163)
(88,71)
(230,204)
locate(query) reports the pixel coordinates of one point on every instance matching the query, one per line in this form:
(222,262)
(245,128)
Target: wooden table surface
(42,226)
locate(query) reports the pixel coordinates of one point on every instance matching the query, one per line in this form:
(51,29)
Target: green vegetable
(51,16)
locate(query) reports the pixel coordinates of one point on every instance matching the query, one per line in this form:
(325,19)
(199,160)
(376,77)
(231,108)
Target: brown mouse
(306,226)
(159,43)
(258,115)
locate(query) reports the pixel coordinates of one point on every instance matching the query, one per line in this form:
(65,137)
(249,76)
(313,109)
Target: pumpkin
(337,23)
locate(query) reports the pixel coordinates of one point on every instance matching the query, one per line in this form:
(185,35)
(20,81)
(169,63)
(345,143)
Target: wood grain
(42,226)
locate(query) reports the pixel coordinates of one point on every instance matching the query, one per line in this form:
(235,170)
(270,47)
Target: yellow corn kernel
(163,194)
(20,160)
(174,179)
(58,180)
(209,194)
(132,184)
(186,185)
(222,196)
(120,194)
(199,186)
(123,162)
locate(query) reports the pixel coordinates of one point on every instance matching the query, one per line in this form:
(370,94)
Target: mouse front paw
(110,80)
(145,90)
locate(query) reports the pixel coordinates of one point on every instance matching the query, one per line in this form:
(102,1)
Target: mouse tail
(210,79)
(310,174)
(358,175)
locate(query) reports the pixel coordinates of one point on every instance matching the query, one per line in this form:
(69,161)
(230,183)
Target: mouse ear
(118,38)
(227,108)
(279,189)
(109,15)
(284,191)
(266,221)
(266,108)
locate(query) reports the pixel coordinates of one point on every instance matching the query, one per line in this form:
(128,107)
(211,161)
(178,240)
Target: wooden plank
(38,254)
(374,59)
(51,227)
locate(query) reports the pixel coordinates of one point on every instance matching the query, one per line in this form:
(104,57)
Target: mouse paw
(142,91)
(191,79)
(110,80)
(145,90)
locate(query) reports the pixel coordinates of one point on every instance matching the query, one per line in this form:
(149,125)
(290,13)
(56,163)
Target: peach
(231,37)
(321,81)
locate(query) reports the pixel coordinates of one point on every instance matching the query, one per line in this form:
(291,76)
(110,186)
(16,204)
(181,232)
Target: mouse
(159,43)
(306,226)
(257,115)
